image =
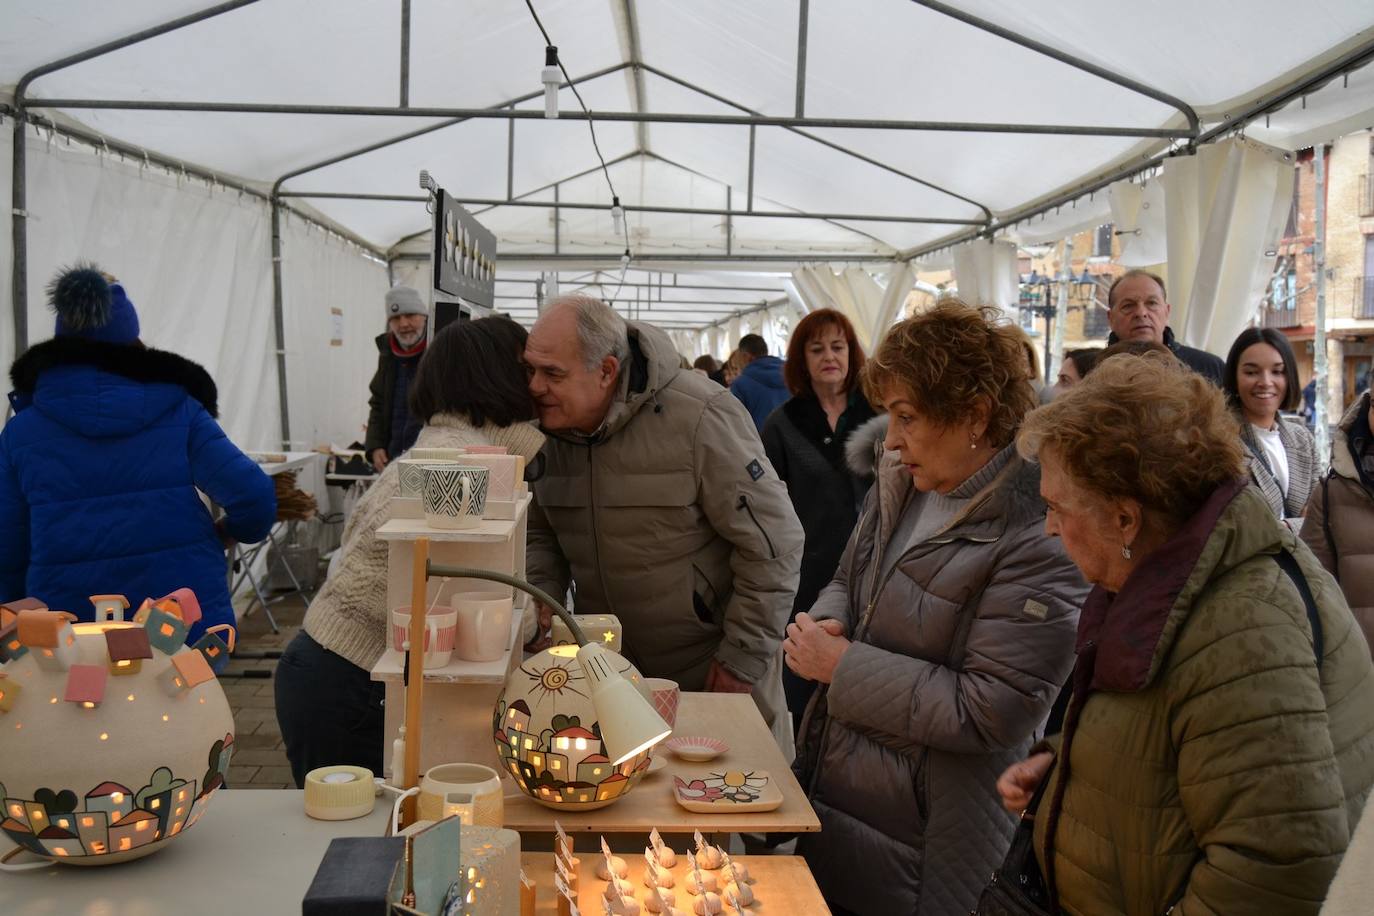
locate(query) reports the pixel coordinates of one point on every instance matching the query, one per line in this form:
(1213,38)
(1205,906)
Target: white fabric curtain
(986,272)
(870,306)
(332,303)
(195,260)
(1138,213)
(778,322)
(1225,208)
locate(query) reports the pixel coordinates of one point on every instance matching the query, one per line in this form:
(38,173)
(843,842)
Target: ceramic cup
(665,695)
(412,470)
(469,790)
(441,632)
(455,495)
(483,624)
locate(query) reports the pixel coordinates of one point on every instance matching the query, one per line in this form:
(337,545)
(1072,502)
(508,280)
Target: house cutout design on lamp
(621,723)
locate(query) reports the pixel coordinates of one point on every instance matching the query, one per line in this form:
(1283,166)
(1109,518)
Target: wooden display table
(782,885)
(255,851)
(731,717)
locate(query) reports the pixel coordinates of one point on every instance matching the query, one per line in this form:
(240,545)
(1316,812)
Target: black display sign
(464,253)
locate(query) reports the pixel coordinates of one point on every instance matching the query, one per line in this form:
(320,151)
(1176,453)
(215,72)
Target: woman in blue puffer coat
(100,465)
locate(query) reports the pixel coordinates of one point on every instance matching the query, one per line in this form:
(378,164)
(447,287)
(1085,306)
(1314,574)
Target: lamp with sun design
(575,725)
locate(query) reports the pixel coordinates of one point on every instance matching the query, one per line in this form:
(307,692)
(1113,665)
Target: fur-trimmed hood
(864,445)
(104,389)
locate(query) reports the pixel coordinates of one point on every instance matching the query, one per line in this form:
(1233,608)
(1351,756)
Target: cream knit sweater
(349,614)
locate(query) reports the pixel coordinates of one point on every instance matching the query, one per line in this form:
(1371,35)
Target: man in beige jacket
(658,503)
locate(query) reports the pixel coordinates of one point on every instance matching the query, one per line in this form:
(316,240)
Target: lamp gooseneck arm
(433,569)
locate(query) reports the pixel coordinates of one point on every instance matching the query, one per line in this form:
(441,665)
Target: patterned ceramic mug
(455,495)
(441,634)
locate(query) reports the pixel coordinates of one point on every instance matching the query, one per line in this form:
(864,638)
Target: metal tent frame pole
(630,117)
(19,165)
(728,212)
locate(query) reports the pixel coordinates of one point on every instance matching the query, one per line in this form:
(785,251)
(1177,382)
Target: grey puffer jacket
(957,656)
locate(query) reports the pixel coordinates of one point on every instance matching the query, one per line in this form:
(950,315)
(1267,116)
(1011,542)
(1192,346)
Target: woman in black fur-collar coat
(805,440)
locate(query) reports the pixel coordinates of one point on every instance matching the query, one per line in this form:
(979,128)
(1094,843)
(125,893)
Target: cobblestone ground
(259,760)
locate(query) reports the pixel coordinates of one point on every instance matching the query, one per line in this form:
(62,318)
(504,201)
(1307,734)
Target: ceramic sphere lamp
(114,735)
(575,725)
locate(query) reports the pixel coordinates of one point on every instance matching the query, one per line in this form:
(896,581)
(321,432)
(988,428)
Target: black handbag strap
(1290,566)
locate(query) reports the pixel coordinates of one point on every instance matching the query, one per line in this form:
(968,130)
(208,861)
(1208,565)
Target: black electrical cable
(591,126)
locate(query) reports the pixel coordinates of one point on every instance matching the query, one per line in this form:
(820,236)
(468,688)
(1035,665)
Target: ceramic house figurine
(9,692)
(127,648)
(23,604)
(50,637)
(188,670)
(181,603)
(85,685)
(109,607)
(602,628)
(10,646)
(165,631)
(213,646)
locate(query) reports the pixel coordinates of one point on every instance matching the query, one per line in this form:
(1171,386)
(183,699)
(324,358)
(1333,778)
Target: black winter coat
(826,494)
(383,393)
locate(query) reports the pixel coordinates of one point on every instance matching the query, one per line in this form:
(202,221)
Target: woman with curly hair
(1219,745)
(944,635)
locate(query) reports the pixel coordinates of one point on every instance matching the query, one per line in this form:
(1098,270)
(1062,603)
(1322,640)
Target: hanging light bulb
(625,260)
(551,78)
(617,215)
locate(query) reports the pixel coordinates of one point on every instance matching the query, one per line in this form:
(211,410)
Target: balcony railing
(1366,196)
(1363,304)
(1280,318)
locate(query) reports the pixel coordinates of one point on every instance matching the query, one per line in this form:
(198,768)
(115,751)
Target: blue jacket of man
(99,470)
(761,388)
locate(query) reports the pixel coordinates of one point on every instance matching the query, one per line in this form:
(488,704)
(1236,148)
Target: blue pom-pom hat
(90,306)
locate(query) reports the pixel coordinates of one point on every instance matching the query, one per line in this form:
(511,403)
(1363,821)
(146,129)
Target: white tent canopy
(892,128)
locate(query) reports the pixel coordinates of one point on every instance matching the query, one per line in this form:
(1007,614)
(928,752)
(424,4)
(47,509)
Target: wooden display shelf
(783,885)
(487,531)
(459,698)
(391,665)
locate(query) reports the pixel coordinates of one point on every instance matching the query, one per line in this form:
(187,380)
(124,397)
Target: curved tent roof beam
(1194,125)
(19,275)
(987,212)
(410,135)
(1357,56)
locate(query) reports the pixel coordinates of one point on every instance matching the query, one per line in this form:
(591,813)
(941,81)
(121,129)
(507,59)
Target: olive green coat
(672,518)
(1210,763)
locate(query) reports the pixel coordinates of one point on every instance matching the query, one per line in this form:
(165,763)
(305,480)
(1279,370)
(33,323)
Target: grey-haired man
(390,427)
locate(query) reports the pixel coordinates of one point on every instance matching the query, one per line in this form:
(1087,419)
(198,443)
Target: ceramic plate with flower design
(727,792)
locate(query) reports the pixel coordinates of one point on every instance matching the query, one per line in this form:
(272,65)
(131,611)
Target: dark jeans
(329,709)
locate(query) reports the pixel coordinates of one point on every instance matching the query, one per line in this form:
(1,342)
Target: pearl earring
(1125,552)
